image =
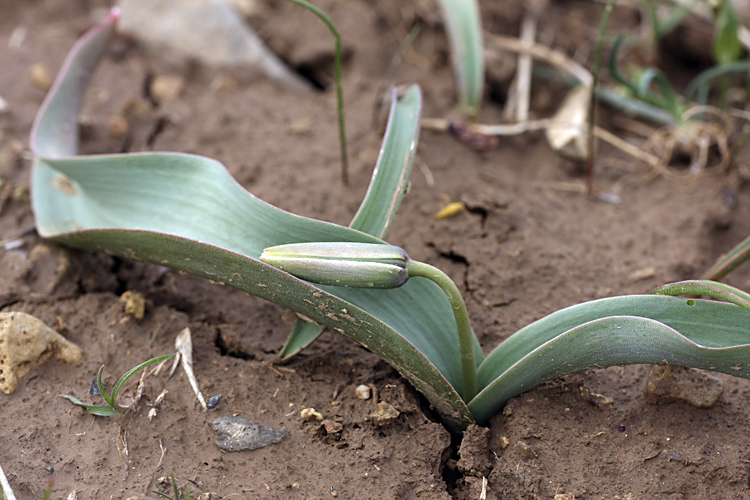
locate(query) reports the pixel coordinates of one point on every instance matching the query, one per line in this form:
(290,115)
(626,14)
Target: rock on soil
(235,433)
(25,343)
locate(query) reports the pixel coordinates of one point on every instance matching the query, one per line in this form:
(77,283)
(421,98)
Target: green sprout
(112,408)
(116,203)
(175,490)
(464,27)
(339,87)
(730,261)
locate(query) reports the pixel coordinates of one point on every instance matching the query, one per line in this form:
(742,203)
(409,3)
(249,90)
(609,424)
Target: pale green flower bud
(360,265)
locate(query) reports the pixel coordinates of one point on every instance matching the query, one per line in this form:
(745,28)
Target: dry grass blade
(7,491)
(184,345)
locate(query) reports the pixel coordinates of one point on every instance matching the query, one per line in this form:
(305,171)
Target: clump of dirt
(526,245)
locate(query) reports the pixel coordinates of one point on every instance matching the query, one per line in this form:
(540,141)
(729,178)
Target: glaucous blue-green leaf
(188,213)
(464,27)
(618,330)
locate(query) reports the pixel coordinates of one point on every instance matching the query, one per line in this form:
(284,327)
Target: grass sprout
(175,491)
(339,86)
(112,408)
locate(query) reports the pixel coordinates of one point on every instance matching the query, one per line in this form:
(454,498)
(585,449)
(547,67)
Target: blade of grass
(339,87)
(133,371)
(100,385)
(729,262)
(98,410)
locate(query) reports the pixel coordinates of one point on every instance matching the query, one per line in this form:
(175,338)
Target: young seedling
(175,490)
(464,27)
(729,262)
(112,408)
(115,203)
(339,86)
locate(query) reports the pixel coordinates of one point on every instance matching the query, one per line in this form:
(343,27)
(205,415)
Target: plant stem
(592,103)
(465,335)
(339,87)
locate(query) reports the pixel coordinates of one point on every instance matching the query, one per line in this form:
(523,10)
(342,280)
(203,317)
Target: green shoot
(112,408)
(729,262)
(727,47)
(175,490)
(339,86)
(464,27)
(592,101)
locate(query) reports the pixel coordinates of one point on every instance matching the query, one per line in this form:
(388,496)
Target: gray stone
(209,32)
(235,433)
(668,384)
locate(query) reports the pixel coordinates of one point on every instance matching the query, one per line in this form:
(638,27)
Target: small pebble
(213,401)
(386,412)
(363,392)
(668,384)
(167,87)
(40,77)
(135,304)
(118,126)
(309,414)
(332,427)
(504,442)
(235,433)
(94,390)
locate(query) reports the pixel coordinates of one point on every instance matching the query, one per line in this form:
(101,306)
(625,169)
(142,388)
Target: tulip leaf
(706,288)
(387,188)
(618,330)
(188,213)
(464,28)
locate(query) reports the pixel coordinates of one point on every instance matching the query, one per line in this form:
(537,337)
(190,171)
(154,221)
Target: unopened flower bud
(360,265)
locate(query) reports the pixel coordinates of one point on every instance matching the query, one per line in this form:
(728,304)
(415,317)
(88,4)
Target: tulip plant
(188,213)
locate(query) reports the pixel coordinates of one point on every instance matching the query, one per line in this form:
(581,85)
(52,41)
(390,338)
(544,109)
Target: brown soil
(523,249)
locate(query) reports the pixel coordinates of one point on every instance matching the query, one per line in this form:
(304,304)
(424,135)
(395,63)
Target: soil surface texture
(529,242)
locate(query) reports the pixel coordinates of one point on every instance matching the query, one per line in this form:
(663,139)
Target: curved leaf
(387,189)
(613,331)
(706,288)
(187,212)
(729,262)
(464,27)
(98,410)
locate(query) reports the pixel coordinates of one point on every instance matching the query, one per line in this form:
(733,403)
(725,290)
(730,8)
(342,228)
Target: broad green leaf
(98,410)
(619,330)
(187,212)
(464,27)
(729,262)
(387,188)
